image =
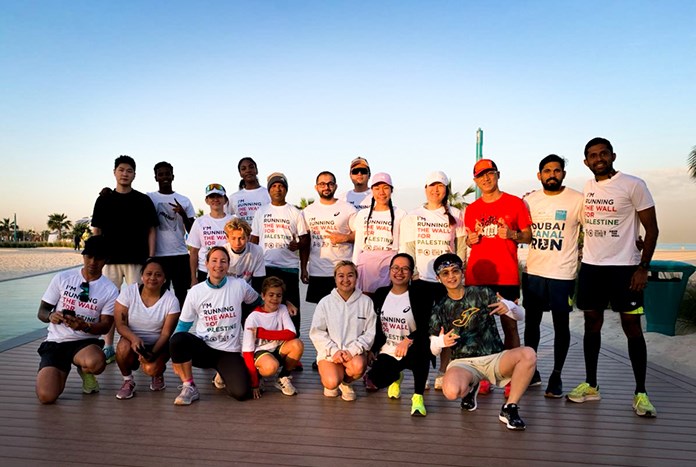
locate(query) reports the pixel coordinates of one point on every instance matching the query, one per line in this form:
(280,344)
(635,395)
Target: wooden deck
(309,429)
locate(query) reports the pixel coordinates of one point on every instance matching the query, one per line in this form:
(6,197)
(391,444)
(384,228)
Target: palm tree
(200,213)
(7,226)
(456,199)
(691,161)
(58,222)
(304,202)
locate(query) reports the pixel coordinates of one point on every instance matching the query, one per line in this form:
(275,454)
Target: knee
(528,356)
(238,392)
(94,364)
(450,390)
(123,347)
(267,368)
(45,395)
(357,367)
(329,381)
(295,346)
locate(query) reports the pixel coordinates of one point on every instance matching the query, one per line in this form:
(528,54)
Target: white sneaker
(188,394)
(438,381)
(218,381)
(330,392)
(347,393)
(285,385)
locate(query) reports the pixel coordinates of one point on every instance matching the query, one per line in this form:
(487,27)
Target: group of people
(394,289)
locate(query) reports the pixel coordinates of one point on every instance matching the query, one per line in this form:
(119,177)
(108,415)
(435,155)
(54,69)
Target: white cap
(437,177)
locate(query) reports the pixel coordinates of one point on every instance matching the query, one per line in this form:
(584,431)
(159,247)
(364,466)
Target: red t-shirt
(493,261)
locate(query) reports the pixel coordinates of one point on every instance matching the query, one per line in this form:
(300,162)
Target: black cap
(96,246)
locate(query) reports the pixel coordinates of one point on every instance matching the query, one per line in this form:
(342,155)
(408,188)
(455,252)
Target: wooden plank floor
(309,429)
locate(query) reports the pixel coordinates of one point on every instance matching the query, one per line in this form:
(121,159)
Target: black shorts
(508,292)
(319,287)
(61,354)
(544,294)
(274,353)
(602,286)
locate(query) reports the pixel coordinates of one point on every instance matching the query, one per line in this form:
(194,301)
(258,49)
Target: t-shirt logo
(465,317)
(561,215)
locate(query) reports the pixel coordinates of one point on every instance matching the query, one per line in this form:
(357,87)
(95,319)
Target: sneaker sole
(157,390)
(278,386)
(551,395)
(176,402)
(132,394)
(417,413)
(510,427)
(580,400)
(646,414)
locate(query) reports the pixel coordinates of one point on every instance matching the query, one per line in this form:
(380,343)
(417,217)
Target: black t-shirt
(125,220)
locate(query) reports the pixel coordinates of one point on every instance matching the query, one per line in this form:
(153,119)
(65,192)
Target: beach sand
(673,352)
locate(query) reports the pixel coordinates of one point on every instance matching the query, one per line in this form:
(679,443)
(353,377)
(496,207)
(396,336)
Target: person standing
(251,196)
(613,270)
(176,215)
(548,282)
(279,229)
(331,239)
(127,219)
(360,196)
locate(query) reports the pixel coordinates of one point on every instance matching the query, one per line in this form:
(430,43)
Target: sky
(306,86)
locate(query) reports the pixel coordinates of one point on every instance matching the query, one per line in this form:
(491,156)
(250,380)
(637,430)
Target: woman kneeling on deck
(216,306)
(343,330)
(146,316)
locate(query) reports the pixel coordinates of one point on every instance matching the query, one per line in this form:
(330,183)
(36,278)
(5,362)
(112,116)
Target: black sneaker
(469,401)
(315,366)
(554,389)
(510,416)
(536,379)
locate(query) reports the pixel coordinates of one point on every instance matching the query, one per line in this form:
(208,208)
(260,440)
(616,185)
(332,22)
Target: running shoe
(284,383)
(469,401)
(330,392)
(189,393)
(347,393)
(536,379)
(369,385)
(485,387)
(417,405)
(554,389)
(394,389)
(90,385)
(218,382)
(642,406)
(157,383)
(509,414)
(127,390)
(507,390)
(438,381)
(583,393)
(109,354)
(298,367)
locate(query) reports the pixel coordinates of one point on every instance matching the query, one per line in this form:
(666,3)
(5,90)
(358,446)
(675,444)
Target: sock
(189,382)
(592,343)
(638,354)
(128,378)
(283,373)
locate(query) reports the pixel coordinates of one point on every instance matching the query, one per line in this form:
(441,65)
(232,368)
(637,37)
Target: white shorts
(486,367)
(116,273)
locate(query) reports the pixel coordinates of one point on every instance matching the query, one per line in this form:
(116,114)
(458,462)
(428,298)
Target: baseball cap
(437,177)
(96,246)
(277,177)
(484,165)
(359,162)
(215,188)
(381,177)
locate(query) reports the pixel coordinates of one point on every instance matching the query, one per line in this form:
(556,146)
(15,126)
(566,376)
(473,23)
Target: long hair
(369,215)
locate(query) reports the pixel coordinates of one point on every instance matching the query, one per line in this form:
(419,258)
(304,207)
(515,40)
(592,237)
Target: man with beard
(613,270)
(361,195)
(331,239)
(548,282)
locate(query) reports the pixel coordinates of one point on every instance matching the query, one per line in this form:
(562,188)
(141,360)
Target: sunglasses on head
(359,170)
(84,292)
(214,186)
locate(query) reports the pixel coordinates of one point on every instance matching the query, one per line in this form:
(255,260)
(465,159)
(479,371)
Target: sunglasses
(359,170)
(84,292)
(214,186)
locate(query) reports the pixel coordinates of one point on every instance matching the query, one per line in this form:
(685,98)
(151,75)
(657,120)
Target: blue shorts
(544,294)
(602,286)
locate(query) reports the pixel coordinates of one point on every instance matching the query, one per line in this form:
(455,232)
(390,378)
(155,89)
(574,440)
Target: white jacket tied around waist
(343,325)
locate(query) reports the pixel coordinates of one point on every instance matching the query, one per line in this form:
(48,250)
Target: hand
(337,237)
(178,208)
(72,322)
(472,238)
(504,231)
(294,245)
(639,280)
(450,338)
(402,349)
(498,308)
(640,243)
(55,317)
(370,357)
(256,392)
(304,276)
(337,357)
(137,345)
(292,309)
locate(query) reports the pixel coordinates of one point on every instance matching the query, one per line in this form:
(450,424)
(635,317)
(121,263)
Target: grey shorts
(486,367)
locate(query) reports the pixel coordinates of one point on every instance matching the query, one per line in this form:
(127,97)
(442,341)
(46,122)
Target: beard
(549,185)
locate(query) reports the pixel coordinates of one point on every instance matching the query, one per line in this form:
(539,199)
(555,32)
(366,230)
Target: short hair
(239,164)
(552,158)
(124,159)
(159,165)
(446,260)
(598,140)
(409,258)
(237,223)
(214,249)
(153,261)
(325,172)
(345,262)
(270,282)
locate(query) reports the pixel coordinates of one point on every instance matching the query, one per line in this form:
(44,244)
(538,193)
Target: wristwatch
(516,235)
(644,264)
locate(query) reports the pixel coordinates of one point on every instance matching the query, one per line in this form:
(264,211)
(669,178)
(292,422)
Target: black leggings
(385,370)
(185,347)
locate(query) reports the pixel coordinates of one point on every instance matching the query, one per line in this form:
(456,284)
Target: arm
(167,330)
(193,264)
(254,239)
(367,337)
(648,218)
(282,335)
(319,334)
(151,240)
(121,316)
(304,258)
(47,313)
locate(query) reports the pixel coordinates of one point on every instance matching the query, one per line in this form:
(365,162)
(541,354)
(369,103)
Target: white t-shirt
(218,312)
(276,321)
(378,235)
(361,200)
(63,293)
(171,231)
(245,203)
(247,264)
(206,233)
(432,235)
(321,219)
(611,221)
(276,227)
(556,221)
(397,322)
(147,322)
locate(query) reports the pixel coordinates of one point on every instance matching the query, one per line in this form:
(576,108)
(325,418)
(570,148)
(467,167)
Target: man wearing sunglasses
(360,196)
(78,307)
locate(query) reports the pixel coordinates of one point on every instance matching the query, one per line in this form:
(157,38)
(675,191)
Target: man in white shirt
(360,196)
(548,282)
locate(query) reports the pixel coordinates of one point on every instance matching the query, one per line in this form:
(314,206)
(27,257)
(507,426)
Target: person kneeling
(477,350)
